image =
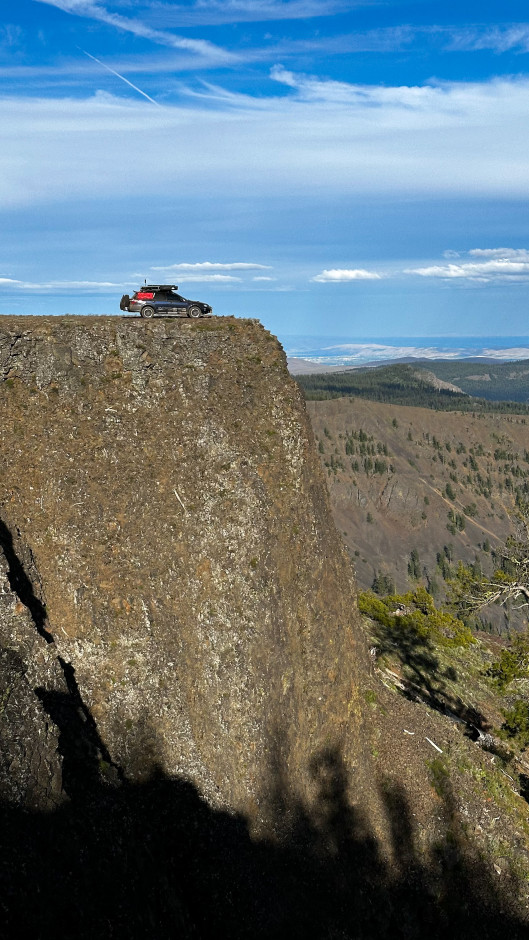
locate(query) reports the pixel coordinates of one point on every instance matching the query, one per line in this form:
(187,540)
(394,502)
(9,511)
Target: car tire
(124,302)
(194,311)
(147,312)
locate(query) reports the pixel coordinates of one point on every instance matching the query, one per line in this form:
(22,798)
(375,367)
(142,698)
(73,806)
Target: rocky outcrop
(30,762)
(175,594)
(182,675)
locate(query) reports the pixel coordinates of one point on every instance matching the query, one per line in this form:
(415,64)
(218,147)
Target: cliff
(190,733)
(175,594)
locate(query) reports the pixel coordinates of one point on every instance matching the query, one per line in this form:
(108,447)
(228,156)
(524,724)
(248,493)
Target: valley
(414,491)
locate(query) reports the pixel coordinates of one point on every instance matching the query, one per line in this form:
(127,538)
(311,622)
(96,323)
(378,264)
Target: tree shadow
(153,859)
(424,677)
(125,859)
(416,652)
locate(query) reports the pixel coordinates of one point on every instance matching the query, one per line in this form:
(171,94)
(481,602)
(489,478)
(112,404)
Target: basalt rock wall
(174,594)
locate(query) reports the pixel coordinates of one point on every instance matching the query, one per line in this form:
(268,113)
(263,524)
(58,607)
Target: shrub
(375,608)
(513,662)
(416,613)
(516,724)
(450,492)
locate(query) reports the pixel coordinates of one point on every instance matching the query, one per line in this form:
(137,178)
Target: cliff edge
(175,594)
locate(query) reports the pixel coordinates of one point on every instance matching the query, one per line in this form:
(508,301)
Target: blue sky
(331,167)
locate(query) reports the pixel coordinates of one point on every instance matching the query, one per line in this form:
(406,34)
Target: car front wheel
(194,312)
(147,312)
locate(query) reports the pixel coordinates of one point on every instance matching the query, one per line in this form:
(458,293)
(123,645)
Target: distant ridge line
(297,365)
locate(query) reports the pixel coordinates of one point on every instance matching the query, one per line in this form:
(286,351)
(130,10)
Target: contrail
(122,77)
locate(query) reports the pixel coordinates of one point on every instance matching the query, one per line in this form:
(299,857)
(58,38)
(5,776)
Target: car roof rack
(159,287)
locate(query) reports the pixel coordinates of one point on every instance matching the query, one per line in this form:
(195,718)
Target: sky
(331,167)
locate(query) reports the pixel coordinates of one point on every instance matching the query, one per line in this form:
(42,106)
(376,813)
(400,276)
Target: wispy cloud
(492,264)
(88,286)
(344,275)
(11,36)
(205,266)
(93,10)
(209,278)
(493,269)
(499,39)
(516,254)
(329,137)
(218,12)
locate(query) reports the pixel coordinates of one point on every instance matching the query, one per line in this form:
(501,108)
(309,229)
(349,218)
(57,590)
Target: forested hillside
(494,381)
(413,385)
(415,491)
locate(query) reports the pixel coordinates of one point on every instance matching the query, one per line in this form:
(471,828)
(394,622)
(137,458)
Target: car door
(163,303)
(177,303)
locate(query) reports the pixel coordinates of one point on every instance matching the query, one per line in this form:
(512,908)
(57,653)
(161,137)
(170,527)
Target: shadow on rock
(154,860)
(425,679)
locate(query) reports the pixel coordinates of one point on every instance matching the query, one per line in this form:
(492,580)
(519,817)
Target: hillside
(492,380)
(415,490)
(192,730)
(441,386)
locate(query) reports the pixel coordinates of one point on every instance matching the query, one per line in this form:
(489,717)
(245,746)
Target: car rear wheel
(147,312)
(194,312)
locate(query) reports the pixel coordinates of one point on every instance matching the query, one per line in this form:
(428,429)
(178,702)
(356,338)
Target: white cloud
(327,137)
(216,12)
(482,271)
(93,10)
(516,254)
(390,39)
(205,266)
(60,285)
(342,275)
(264,279)
(105,286)
(215,278)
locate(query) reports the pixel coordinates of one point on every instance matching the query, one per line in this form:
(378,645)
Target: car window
(176,296)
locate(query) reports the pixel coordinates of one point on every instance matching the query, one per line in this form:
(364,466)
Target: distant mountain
(298,366)
(487,378)
(469,386)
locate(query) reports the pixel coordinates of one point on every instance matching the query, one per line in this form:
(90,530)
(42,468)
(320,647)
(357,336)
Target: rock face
(175,594)
(182,672)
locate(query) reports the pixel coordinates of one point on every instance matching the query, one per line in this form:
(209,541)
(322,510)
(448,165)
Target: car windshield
(174,296)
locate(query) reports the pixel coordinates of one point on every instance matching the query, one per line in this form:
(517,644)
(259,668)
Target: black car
(161,300)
